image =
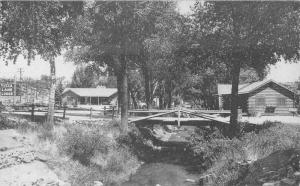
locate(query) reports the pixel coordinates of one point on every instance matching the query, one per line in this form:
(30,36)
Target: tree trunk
(169,105)
(161,101)
(124,95)
(50,116)
(233,129)
(147,87)
(132,95)
(119,87)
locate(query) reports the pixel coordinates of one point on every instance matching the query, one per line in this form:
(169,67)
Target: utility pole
(20,70)
(15,90)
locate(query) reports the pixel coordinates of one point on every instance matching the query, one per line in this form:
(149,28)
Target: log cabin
(262,97)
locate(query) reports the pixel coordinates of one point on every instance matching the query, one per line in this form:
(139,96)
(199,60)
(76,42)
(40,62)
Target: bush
(5,123)
(277,137)
(225,157)
(117,165)
(97,149)
(81,143)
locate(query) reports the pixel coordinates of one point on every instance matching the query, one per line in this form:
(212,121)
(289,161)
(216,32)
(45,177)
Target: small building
(265,97)
(96,98)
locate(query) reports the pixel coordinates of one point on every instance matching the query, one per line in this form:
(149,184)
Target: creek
(173,165)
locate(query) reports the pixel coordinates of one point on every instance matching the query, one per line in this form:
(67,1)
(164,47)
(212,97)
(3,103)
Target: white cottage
(96,98)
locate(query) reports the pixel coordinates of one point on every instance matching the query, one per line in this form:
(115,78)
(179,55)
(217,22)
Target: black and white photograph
(149,93)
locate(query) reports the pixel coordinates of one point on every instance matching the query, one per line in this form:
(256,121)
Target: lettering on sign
(7,89)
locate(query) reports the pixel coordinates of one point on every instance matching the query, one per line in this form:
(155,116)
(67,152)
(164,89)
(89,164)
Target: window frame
(281,101)
(259,102)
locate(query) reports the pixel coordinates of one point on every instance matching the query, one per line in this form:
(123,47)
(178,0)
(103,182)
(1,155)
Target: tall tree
(164,70)
(36,28)
(252,34)
(112,34)
(84,77)
(59,90)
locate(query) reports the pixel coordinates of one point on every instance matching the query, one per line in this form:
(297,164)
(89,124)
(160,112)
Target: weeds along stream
(86,153)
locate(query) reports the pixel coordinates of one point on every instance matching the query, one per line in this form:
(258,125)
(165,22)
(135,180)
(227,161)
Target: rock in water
(190,180)
(297,176)
(272,184)
(98,183)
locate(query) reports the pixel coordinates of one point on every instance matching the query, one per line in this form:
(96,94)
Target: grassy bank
(85,153)
(97,148)
(228,162)
(80,154)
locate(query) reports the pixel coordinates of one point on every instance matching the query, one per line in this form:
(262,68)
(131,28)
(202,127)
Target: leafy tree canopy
(35,27)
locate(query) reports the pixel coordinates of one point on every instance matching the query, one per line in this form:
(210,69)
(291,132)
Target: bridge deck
(174,121)
(197,119)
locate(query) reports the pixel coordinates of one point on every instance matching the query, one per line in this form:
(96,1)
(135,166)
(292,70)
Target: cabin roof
(226,88)
(248,88)
(92,92)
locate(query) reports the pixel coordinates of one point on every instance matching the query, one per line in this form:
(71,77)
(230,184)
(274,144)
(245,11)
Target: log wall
(271,96)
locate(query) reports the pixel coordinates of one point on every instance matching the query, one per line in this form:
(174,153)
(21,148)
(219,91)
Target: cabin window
(82,101)
(260,101)
(105,101)
(94,101)
(281,101)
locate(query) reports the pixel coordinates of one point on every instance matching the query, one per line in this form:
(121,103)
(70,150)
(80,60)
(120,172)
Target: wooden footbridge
(179,117)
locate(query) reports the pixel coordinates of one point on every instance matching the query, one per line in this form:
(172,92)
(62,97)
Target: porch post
(98,100)
(90,100)
(220,102)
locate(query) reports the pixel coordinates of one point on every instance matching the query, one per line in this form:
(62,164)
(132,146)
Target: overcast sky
(281,72)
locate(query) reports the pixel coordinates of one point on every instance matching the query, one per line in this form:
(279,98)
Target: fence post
(91,113)
(113,113)
(32,112)
(239,115)
(64,113)
(104,111)
(178,122)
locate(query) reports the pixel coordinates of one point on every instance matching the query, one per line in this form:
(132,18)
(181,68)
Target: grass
(81,153)
(274,138)
(224,158)
(96,148)
(81,143)
(85,153)
(6,123)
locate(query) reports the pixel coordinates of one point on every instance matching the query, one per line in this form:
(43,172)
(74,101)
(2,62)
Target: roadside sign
(7,89)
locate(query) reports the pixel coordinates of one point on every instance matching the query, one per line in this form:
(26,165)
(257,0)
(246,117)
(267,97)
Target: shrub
(217,149)
(81,143)
(225,157)
(277,137)
(5,123)
(45,132)
(101,155)
(118,165)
